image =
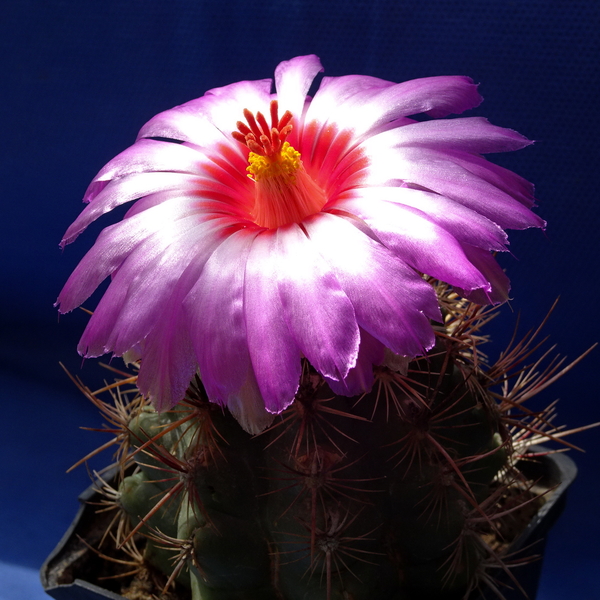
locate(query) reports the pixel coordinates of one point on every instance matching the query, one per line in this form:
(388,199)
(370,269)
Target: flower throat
(284,192)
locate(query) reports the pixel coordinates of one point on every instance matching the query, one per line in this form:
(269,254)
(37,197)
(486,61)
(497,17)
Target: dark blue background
(80,77)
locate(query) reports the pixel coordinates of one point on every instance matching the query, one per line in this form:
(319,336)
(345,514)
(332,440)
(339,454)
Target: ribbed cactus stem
(342,498)
(398,494)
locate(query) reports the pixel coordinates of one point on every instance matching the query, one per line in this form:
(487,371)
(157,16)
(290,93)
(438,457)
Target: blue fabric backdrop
(79,77)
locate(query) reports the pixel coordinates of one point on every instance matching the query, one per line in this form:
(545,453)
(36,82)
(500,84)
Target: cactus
(343,436)
(389,495)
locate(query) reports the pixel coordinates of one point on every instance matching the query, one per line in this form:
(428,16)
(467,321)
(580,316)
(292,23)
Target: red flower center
(284,192)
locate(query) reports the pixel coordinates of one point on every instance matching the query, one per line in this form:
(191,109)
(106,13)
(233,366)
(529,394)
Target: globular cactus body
(379,497)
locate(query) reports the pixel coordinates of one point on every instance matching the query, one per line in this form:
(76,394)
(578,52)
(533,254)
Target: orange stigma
(284,192)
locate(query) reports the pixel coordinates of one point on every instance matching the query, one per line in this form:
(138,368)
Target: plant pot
(65,572)
(554,472)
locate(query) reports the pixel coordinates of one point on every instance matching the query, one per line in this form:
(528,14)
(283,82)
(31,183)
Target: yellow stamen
(284,164)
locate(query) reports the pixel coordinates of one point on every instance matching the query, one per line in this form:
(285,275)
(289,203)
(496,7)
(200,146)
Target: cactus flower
(267,226)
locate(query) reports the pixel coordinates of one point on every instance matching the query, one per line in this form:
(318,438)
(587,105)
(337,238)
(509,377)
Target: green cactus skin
(404,493)
(340,499)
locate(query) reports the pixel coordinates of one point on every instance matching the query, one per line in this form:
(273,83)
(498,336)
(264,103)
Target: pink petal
(439,172)
(150,274)
(212,117)
(247,406)
(379,285)
(471,134)
(226,104)
(153,200)
(116,242)
(371,108)
(335,91)
(360,378)
(226,167)
(492,271)
(125,190)
(321,126)
(319,315)
(138,185)
(151,155)
(139,293)
(169,360)
(216,312)
(439,96)
(463,223)
(187,122)
(418,241)
(507,181)
(274,354)
(168,364)
(93,342)
(293,79)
